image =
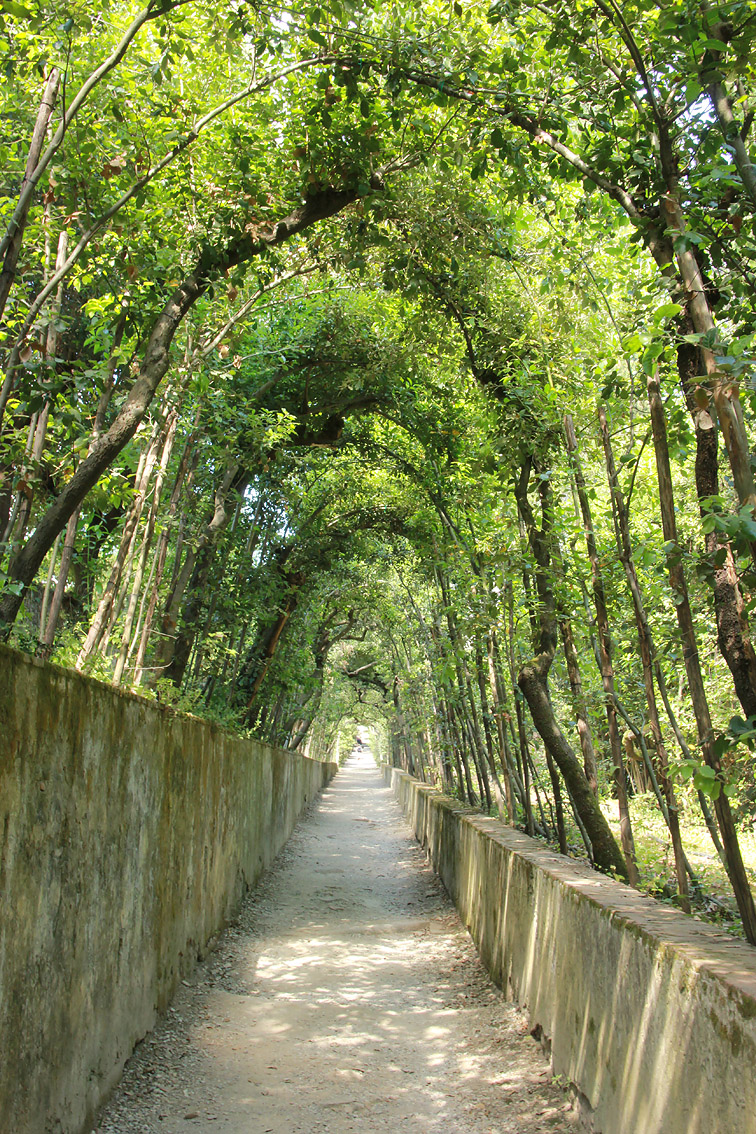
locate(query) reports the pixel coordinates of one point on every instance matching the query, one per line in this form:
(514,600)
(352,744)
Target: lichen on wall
(128,834)
(648,1013)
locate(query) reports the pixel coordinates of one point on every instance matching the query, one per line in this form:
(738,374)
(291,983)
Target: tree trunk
(725,394)
(105,607)
(499,711)
(197,584)
(187,463)
(47,633)
(136,585)
(735,867)
(48,586)
(43,417)
(533,681)
(733,636)
(13,251)
(605,650)
(24,565)
(215,522)
(521,733)
(647,653)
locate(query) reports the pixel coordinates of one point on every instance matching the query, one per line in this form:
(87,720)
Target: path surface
(347,997)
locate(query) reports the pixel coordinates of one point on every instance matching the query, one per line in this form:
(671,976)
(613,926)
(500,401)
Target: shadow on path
(346,997)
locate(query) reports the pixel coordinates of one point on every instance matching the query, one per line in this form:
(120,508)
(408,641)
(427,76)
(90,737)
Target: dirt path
(347,997)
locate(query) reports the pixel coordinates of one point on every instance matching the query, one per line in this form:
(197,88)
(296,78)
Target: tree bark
(13,250)
(647,653)
(733,637)
(533,681)
(605,652)
(735,867)
(212,263)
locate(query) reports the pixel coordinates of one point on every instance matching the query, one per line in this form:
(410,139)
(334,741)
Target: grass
(714,901)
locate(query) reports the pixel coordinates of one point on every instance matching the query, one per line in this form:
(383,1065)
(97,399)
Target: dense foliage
(387,366)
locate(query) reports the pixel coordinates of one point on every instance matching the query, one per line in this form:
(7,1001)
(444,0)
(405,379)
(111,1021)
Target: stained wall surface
(128,834)
(650,1014)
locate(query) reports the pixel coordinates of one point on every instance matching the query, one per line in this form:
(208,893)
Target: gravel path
(346,997)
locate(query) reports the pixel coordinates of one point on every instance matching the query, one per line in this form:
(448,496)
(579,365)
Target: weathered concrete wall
(127,836)
(650,1014)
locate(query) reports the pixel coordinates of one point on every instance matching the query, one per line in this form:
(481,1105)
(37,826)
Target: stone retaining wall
(650,1014)
(128,834)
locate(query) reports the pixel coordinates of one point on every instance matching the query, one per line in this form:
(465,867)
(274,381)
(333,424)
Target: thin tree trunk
(735,867)
(140,616)
(499,709)
(579,705)
(48,585)
(23,567)
(647,653)
(607,667)
(733,636)
(687,755)
(195,591)
(731,134)
(533,681)
(557,792)
(212,528)
(725,393)
(104,609)
(188,461)
(521,733)
(136,584)
(69,543)
(43,417)
(13,251)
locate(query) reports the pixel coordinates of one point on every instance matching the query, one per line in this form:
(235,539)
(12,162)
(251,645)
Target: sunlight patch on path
(346,997)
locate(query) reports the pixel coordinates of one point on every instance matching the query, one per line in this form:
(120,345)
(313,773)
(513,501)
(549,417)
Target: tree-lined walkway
(347,997)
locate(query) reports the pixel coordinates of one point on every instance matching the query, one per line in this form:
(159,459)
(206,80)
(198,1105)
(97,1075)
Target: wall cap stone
(708,949)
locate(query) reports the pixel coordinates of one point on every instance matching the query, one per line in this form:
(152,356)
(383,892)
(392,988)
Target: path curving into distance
(347,997)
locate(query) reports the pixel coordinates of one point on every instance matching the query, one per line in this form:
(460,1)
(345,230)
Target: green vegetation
(393,366)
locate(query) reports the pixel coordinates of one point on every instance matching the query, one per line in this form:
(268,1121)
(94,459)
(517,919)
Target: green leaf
(666,311)
(721,745)
(21,13)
